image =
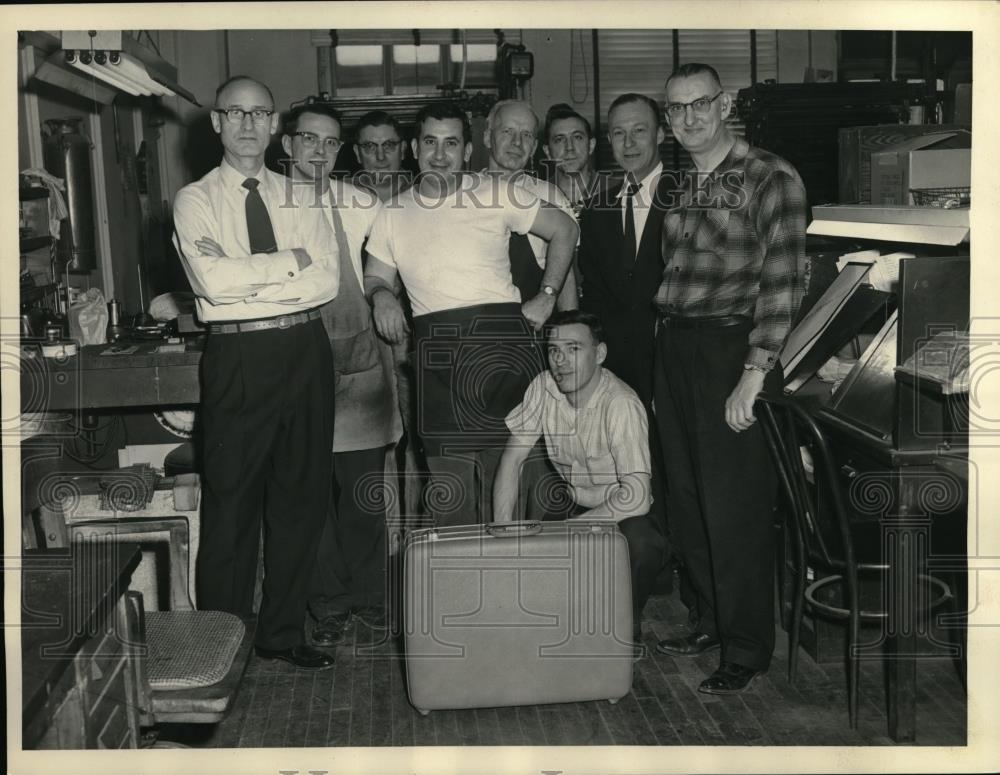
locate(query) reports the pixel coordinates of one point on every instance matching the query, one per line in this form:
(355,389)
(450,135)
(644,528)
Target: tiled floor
(363,702)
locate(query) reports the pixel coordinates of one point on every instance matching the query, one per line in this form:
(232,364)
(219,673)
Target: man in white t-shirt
(447,238)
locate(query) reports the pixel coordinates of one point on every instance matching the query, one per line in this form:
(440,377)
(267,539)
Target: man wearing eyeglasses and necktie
(621,267)
(734,253)
(260,269)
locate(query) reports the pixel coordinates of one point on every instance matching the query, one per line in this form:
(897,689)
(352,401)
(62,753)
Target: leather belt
(282,321)
(715,321)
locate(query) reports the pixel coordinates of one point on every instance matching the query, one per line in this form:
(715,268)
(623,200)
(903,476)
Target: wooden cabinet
(79,645)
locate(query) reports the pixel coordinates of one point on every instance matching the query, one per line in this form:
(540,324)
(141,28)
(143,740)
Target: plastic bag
(88,318)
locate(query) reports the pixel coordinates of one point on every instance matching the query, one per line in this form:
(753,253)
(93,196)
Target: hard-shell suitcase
(518,613)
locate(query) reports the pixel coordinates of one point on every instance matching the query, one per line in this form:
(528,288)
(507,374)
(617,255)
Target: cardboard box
(942,160)
(856,145)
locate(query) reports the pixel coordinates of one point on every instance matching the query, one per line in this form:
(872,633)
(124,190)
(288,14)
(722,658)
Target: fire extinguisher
(66,154)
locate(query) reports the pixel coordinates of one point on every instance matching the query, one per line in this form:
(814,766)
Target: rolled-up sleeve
(525,419)
(628,436)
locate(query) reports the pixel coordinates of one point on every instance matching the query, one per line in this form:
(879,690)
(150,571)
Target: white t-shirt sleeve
(520,206)
(380,242)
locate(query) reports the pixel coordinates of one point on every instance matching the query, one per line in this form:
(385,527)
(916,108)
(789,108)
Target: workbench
(92,380)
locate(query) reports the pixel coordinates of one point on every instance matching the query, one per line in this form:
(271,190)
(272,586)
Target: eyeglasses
(387,146)
(700,106)
(236,115)
(310,140)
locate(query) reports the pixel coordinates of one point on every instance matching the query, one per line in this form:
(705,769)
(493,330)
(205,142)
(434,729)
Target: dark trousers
(473,366)
(721,488)
(267,424)
(351,562)
(646,550)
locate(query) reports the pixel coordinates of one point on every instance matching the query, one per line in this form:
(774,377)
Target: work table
(90,380)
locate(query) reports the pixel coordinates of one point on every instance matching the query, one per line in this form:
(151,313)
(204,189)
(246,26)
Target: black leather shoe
(688,646)
(372,616)
(302,656)
(730,678)
(331,630)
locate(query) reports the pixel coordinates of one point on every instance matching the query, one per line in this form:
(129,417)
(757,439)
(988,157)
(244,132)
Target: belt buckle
(285,321)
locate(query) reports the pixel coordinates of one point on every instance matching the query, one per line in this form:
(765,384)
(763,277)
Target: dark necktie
(629,242)
(259,228)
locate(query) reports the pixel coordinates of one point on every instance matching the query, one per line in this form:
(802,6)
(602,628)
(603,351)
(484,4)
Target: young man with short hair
(350,578)
(596,435)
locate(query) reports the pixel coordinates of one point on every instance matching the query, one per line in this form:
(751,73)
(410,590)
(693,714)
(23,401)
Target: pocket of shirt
(713,232)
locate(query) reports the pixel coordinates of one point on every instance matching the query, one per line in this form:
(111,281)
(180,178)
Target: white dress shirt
(641,202)
(244,286)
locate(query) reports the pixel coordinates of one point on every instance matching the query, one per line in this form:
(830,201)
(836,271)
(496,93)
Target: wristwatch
(548,290)
(753,367)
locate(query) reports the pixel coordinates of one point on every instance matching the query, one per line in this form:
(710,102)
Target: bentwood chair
(840,553)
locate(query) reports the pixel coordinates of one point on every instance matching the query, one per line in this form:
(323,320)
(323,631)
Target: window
(357,68)
(404,62)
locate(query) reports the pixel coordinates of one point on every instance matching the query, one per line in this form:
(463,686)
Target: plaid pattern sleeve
(734,244)
(781,228)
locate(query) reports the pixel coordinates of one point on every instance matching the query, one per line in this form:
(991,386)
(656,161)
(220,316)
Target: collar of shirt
(647,184)
(553,390)
(232,177)
(699,193)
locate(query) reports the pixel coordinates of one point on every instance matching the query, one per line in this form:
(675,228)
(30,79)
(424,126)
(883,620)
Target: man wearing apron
(350,577)
(447,237)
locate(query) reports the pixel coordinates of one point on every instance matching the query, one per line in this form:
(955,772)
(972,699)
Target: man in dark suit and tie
(620,260)
(620,244)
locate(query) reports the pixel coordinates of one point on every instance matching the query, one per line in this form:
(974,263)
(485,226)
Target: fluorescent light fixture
(94,71)
(112,58)
(133,69)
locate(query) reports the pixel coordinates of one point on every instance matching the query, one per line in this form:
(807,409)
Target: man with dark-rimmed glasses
(260,269)
(734,261)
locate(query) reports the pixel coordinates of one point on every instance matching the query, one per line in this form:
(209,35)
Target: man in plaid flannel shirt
(734,264)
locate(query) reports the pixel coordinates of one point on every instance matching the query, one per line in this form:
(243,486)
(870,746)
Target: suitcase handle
(510,529)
